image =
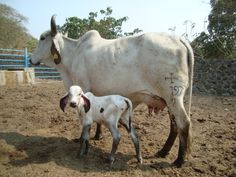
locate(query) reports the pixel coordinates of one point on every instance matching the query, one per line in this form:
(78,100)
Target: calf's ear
(86,103)
(63,102)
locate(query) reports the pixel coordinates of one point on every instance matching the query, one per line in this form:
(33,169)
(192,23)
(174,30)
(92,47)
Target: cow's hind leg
(183,123)
(171,138)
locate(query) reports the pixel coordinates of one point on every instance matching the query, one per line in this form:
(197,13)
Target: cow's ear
(63,102)
(55,51)
(86,103)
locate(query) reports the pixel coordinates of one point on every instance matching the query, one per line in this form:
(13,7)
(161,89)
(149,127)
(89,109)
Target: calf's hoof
(110,160)
(76,140)
(79,156)
(98,137)
(140,160)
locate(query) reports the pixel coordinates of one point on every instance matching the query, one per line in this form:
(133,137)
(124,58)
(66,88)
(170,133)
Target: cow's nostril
(73,104)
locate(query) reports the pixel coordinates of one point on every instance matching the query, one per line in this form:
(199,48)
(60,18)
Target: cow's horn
(53,26)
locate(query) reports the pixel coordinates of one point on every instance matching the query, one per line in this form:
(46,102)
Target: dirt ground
(36,138)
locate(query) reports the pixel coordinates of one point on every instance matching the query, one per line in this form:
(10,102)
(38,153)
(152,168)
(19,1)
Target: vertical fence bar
(26,62)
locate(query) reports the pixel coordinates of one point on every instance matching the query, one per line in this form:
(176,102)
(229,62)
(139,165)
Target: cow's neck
(67,48)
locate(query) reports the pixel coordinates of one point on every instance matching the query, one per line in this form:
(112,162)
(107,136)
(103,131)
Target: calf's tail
(130,111)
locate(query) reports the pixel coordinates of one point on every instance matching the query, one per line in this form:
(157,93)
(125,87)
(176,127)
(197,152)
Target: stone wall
(215,77)
(17,77)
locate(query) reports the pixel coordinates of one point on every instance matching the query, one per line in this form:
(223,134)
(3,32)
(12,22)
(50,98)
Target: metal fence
(12,59)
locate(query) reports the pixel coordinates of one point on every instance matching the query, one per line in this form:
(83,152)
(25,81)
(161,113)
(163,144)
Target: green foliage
(108,26)
(13,34)
(221,40)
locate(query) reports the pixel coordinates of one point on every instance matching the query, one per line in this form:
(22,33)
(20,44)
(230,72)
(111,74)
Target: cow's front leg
(84,141)
(98,134)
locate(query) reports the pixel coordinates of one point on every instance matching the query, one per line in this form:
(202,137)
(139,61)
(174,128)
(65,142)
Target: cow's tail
(190,72)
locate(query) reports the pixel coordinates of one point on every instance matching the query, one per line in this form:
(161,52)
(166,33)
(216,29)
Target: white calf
(108,110)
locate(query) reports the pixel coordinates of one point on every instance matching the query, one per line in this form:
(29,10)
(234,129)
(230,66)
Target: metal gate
(12,59)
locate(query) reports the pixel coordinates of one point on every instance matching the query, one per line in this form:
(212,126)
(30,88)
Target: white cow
(152,68)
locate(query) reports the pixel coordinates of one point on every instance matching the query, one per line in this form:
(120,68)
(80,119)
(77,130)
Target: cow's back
(132,65)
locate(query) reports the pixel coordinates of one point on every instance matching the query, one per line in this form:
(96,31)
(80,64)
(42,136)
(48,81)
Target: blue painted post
(26,62)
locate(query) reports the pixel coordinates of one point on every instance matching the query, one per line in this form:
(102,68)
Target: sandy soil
(36,138)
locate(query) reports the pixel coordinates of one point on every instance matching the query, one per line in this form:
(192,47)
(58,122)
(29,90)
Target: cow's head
(48,49)
(76,98)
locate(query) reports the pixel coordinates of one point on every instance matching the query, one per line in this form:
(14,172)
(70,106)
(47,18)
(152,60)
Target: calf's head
(76,98)
(48,48)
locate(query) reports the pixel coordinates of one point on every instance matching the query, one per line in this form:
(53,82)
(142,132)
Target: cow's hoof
(178,163)
(161,154)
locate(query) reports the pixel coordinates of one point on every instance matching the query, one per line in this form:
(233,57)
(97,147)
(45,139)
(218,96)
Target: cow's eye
(42,38)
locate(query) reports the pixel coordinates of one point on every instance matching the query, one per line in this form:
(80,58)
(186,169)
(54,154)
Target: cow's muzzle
(34,63)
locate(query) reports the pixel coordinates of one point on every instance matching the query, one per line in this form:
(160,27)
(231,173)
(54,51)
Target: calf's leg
(130,129)
(116,139)
(135,141)
(98,134)
(84,141)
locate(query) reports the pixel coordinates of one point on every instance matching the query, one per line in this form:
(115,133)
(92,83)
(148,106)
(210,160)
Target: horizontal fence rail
(12,59)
